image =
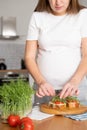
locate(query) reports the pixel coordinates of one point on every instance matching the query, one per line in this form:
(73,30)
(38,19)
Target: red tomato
(26,125)
(13,120)
(58,102)
(26,119)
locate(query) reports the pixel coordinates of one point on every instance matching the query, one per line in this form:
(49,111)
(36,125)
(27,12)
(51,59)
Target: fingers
(45,90)
(69,90)
(64,93)
(77,92)
(38,94)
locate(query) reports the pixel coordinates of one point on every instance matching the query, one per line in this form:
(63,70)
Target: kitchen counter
(14,70)
(7,75)
(53,123)
(50,122)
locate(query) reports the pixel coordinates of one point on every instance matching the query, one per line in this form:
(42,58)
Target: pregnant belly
(58,66)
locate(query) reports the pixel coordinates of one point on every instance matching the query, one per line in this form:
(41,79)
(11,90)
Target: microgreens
(15,97)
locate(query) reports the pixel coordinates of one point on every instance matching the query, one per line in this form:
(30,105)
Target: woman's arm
(30,60)
(71,87)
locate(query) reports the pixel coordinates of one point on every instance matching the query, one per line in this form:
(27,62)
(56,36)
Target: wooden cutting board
(49,110)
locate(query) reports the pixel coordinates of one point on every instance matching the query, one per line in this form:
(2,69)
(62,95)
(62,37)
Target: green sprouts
(16,97)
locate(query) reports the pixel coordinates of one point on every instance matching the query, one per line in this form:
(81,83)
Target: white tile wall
(12,53)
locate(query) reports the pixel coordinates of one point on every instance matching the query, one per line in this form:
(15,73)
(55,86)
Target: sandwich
(62,103)
(57,102)
(72,102)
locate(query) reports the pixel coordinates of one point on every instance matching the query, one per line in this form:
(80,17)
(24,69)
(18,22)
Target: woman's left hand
(69,89)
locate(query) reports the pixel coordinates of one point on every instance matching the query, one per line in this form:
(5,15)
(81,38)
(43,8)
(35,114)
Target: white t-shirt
(59,40)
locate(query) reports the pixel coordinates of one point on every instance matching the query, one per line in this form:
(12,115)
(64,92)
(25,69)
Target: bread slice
(72,102)
(58,103)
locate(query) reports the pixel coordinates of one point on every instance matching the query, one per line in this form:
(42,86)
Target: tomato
(58,102)
(13,120)
(27,119)
(26,123)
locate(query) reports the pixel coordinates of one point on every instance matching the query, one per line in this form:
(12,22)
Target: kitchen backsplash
(12,53)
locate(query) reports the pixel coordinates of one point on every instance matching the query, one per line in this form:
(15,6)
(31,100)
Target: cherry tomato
(58,102)
(13,120)
(26,123)
(26,119)
(26,126)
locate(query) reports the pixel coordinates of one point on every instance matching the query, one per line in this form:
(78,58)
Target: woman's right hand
(45,89)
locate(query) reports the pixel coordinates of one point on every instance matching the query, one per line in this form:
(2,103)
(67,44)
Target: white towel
(79,117)
(36,114)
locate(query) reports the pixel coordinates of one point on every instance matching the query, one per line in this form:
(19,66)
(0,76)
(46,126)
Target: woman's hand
(69,89)
(45,89)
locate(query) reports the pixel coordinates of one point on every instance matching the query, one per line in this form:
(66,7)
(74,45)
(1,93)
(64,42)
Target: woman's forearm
(34,71)
(30,61)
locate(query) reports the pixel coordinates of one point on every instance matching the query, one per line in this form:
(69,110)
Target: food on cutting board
(56,102)
(72,102)
(65,106)
(61,103)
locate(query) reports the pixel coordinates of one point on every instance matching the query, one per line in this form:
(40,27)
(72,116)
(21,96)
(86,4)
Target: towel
(36,114)
(78,117)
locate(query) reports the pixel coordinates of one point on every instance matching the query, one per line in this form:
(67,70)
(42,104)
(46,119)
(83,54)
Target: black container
(23,64)
(2,64)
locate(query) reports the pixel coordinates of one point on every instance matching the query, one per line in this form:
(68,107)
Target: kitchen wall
(22,9)
(83,2)
(13,50)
